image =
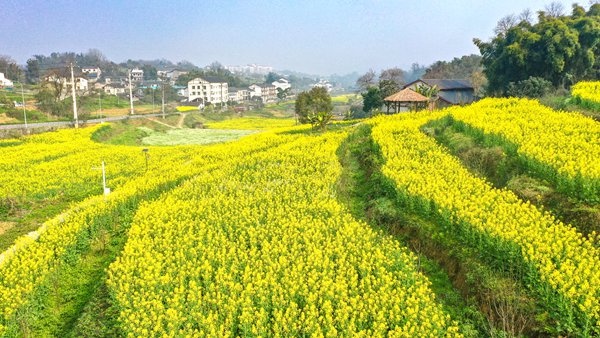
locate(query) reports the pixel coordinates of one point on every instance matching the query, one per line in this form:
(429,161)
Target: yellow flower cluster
(569,143)
(59,165)
(24,265)
(587,93)
(261,247)
(436,182)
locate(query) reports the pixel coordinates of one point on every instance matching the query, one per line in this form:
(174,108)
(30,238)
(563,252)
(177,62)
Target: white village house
(63,77)
(239,95)
(171,74)
(114,89)
(282,84)
(264,92)
(137,75)
(208,89)
(92,73)
(323,84)
(4,82)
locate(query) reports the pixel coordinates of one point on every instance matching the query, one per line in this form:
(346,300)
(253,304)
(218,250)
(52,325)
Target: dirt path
(181,120)
(153,119)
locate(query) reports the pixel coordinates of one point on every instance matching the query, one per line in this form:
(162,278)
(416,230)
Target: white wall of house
(208,92)
(4,82)
(137,75)
(282,84)
(114,90)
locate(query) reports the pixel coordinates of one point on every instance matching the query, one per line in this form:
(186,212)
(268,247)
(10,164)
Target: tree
(416,72)
(33,71)
(314,106)
(272,77)
(526,16)
(372,99)
(9,67)
(282,94)
(395,75)
(150,72)
(505,24)
(458,68)
(562,49)
(48,98)
(555,9)
(365,81)
(387,88)
(533,87)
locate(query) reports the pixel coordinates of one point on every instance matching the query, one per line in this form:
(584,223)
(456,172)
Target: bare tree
(526,15)
(365,81)
(505,24)
(555,9)
(393,74)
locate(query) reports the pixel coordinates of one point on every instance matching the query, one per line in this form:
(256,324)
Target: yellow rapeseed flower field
(587,94)
(434,182)
(562,146)
(261,247)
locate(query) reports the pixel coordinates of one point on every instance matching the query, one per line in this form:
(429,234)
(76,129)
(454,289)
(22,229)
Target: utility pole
(105,190)
(23,102)
(130,93)
(163,98)
(152,99)
(74,98)
(100,100)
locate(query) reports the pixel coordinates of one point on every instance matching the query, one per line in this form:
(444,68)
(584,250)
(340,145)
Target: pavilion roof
(406,95)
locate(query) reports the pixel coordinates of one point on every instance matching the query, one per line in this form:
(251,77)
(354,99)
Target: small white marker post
(106,190)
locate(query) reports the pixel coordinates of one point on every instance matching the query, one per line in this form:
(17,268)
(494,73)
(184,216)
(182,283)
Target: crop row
(28,262)
(560,265)
(587,94)
(562,147)
(262,248)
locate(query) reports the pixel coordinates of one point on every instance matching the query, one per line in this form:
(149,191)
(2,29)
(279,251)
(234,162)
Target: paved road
(65,123)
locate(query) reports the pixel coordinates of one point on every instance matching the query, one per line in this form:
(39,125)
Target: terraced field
(409,225)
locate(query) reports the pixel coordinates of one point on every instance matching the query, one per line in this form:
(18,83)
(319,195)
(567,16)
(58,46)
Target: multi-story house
(92,73)
(208,89)
(137,75)
(265,92)
(239,95)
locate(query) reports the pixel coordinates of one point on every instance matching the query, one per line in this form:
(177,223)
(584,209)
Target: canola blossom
(431,181)
(587,94)
(25,264)
(563,147)
(261,247)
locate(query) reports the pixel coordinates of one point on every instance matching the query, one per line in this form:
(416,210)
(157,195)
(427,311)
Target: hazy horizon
(314,37)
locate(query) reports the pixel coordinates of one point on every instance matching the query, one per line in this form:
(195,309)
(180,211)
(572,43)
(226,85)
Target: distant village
(200,91)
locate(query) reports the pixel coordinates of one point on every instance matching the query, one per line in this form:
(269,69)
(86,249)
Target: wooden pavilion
(405,98)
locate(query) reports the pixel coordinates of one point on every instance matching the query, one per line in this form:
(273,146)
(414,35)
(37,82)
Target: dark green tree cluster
(314,107)
(374,90)
(562,49)
(9,67)
(458,68)
(215,69)
(49,99)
